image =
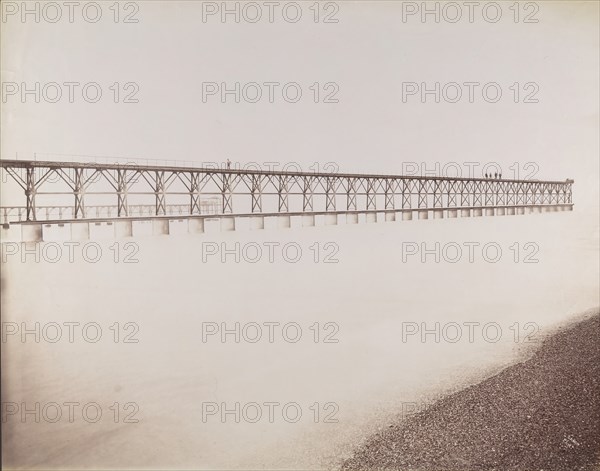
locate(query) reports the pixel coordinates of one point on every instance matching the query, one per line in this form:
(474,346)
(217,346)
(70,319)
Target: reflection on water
(378,290)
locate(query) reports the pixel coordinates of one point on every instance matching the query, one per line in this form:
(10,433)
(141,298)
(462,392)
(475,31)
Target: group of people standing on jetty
(496,175)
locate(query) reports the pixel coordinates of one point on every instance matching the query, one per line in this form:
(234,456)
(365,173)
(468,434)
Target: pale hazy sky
(368,53)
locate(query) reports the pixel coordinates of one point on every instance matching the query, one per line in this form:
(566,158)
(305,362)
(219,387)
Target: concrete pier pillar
(284,222)
(352,218)
(465,213)
(308,220)
(453,213)
(80,231)
(331,219)
(123,229)
(31,233)
(530,209)
(438,214)
(570,207)
(196,226)
(227,223)
(510,211)
(538,209)
(501,211)
(407,215)
(371,217)
(477,212)
(390,217)
(160,226)
(489,211)
(257,223)
(520,209)
(423,214)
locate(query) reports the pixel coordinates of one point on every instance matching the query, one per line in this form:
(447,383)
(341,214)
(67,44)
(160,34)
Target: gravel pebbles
(542,414)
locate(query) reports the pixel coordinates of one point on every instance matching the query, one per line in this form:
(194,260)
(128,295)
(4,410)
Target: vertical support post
(477,190)
(159,192)
(389,200)
(351,194)
(256,190)
(406,194)
(438,204)
(489,193)
(465,193)
(195,196)
(437,193)
(510,193)
(122,193)
(226,193)
(520,194)
(79,191)
(451,192)
(423,203)
(371,197)
(30,194)
(498,193)
(422,192)
(330,194)
(406,185)
(389,194)
(307,194)
(282,191)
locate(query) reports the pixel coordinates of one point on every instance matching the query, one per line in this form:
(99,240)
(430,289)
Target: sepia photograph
(300,235)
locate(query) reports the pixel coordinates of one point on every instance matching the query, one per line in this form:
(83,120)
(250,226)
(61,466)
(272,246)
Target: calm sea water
(349,373)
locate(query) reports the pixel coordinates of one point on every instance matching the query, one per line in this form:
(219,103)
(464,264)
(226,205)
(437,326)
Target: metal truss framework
(320,192)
